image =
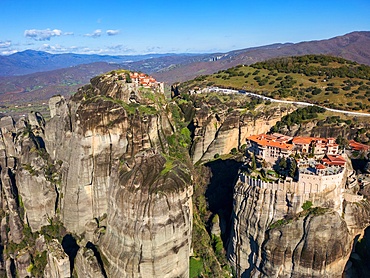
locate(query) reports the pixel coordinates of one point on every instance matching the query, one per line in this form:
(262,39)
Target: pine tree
(253,164)
(292,168)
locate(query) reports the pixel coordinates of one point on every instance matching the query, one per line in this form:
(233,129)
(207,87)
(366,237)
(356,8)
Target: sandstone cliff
(107,168)
(104,189)
(220,122)
(273,237)
(116,163)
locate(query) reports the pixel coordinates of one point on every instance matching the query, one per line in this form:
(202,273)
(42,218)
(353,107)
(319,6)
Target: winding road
(230,91)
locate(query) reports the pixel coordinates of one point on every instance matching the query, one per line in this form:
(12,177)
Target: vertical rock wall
(217,131)
(120,189)
(272,237)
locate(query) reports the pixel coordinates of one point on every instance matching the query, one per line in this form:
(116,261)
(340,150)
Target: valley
(32,76)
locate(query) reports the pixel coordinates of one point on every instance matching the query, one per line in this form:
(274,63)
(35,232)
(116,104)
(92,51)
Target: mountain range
(31,75)
(31,61)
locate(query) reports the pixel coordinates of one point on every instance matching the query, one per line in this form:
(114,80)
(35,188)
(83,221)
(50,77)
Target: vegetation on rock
(324,80)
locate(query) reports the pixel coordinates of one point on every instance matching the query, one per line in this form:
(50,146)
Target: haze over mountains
(353,46)
(63,74)
(31,61)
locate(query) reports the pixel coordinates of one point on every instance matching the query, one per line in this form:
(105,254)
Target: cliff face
(312,246)
(330,128)
(106,167)
(113,167)
(223,122)
(150,221)
(273,237)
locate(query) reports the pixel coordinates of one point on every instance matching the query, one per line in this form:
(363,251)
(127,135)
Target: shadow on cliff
(219,193)
(70,247)
(358,263)
(98,257)
(358,163)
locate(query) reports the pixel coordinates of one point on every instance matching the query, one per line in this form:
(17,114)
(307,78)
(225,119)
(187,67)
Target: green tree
(282,163)
(253,163)
(307,205)
(234,151)
(292,168)
(128,78)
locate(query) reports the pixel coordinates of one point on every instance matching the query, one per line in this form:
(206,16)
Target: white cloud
(118,49)
(8,52)
(5,44)
(56,48)
(42,35)
(96,34)
(153,49)
(52,48)
(112,32)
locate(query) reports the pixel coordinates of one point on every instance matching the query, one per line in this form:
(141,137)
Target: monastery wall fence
(307,183)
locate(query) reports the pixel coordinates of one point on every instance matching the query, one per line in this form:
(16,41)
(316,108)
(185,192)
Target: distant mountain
(169,63)
(45,80)
(354,46)
(39,87)
(30,61)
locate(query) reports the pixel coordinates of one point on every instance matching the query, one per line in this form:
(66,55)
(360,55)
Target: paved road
(230,91)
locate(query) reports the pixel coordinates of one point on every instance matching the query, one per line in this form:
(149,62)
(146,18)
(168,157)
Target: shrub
(307,205)
(233,151)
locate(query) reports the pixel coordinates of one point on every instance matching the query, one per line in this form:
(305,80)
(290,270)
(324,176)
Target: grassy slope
(328,81)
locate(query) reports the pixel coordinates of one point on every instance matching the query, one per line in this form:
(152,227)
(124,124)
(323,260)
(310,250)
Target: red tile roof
(302,140)
(269,140)
(320,166)
(336,160)
(358,146)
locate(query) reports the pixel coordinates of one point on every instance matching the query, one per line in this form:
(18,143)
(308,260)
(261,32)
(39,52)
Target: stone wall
(307,184)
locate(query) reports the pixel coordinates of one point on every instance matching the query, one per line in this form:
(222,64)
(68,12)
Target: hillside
(39,86)
(31,61)
(325,80)
(353,46)
(21,94)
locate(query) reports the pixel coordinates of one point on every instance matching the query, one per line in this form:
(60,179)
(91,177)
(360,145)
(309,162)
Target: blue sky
(139,27)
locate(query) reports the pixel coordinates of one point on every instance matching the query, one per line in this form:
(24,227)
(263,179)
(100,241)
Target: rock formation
(57,261)
(111,170)
(106,168)
(273,237)
(223,122)
(87,265)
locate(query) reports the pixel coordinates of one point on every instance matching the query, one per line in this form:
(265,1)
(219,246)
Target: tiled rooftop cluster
(143,79)
(274,146)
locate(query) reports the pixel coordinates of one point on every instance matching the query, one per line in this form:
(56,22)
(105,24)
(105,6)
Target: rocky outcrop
(106,168)
(312,246)
(96,136)
(116,165)
(150,221)
(58,265)
(22,263)
(218,127)
(87,264)
(273,237)
(330,128)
